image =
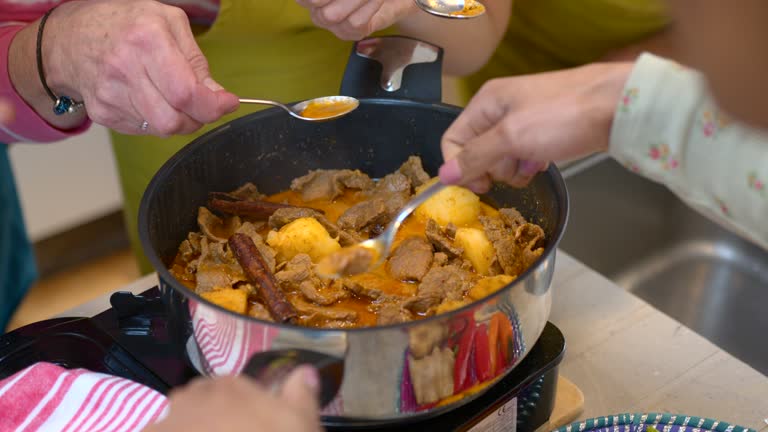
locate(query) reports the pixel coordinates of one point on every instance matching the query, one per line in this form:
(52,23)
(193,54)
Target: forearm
(668,128)
(468,44)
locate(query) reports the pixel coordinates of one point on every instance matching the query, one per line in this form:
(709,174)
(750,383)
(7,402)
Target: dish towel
(47,397)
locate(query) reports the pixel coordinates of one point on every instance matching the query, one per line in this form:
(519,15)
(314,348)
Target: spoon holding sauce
(456,9)
(318,109)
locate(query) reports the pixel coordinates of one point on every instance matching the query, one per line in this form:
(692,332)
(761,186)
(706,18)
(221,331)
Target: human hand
(356,19)
(513,127)
(240,404)
(132,62)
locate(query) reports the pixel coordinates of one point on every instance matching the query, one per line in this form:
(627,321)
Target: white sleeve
(667,128)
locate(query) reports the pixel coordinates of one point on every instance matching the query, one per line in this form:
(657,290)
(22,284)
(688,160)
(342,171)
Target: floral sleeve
(667,128)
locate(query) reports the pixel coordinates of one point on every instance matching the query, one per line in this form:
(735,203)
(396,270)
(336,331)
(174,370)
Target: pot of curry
(236,222)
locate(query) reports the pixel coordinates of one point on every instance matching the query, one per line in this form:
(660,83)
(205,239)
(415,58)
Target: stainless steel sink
(640,235)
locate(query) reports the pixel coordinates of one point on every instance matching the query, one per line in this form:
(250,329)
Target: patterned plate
(661,422)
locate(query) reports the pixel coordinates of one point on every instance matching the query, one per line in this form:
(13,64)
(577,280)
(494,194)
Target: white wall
(65,184)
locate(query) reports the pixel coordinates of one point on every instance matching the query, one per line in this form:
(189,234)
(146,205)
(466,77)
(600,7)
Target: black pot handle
(271,367)
(394,67)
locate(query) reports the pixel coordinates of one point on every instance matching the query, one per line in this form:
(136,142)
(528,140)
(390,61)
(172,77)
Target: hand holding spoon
(318,109)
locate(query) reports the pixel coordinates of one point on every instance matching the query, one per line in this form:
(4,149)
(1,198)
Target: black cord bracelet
(61,104)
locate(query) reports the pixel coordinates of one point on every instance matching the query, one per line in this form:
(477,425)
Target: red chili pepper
(482,354)
(505,338)
(462,369)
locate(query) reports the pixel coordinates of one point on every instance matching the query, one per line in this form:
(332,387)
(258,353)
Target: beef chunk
(190,251)
(347,261)
(494,228)
(363,214)
(432,376)
(392,183)
(214,227)
(348,238)
(394,202)
(515,251)
(247,192)
(530,240)
(411,260)
(217,268)
(259,311)
(392,313)
(440,283)
(413,169)
(450,230)
(511,217)
(440,259)
(365,285)
(267,252)
(441,241)
(321,315)
(298,275)
(329,184)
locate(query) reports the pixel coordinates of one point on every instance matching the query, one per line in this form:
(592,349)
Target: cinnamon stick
(257,272)
(226,203)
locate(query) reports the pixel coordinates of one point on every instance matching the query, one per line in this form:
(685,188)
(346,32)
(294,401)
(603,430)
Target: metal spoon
(318,109)
(456,9)
(371,253)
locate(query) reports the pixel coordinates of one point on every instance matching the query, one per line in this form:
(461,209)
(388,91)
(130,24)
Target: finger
(181,89)
(527,170)
(337,11)
(162,119)
(301,388)
(483,111)
(313,3)
(390,13)
(505,169)
(480,185)
(359,24)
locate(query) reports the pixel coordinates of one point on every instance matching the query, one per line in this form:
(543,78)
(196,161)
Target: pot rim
(165,275)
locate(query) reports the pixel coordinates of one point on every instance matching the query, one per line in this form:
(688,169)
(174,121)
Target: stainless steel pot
(384,374)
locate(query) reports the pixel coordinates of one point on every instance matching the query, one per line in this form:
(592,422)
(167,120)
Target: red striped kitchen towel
(46,397)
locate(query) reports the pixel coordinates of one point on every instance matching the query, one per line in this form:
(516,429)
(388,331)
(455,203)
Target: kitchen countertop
(625,355)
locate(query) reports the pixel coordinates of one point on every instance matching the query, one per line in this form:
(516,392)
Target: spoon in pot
(457,9)
(318,109)
(371,253)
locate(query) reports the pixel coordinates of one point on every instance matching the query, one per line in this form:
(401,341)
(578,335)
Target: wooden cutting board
(569,404)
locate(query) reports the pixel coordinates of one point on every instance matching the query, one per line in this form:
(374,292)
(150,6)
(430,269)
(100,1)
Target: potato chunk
(235,300)
(477,248)
(454,204)
(304,235)
(489,285)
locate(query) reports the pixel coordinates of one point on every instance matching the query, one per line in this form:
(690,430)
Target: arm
(468,44)
(669,129)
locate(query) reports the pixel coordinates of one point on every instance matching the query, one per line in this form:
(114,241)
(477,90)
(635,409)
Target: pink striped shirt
(28,126)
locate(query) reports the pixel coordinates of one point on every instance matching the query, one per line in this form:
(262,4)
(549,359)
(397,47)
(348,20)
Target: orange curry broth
(414,225)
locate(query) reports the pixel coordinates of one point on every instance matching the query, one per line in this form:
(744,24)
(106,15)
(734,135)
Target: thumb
(301,389)
(475,158)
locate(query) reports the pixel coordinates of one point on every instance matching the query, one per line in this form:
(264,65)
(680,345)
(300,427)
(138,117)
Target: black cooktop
(130,340)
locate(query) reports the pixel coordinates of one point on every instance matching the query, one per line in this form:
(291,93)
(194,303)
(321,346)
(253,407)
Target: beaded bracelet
(61,104)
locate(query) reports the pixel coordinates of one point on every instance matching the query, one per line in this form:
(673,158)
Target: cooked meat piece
(511,217)
(267,252)
(441,241)
(392,313)
(190,251)
(319,315)
(214,227)
(348,238)
(258,310)
(411,259)
(287,215)
(217,268)
(432,376)
(347,261)
(424,337)
(450,230)
(328,184)
(413,169)
(363,214)
(392,183)
(394,202)
(365,285)
(247,192)
(298,275)
(440,259)
(529,236)
(440,283)
(494,228)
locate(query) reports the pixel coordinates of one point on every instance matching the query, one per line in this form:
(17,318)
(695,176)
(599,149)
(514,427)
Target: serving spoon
(369,254)
(456,9)
(317,109)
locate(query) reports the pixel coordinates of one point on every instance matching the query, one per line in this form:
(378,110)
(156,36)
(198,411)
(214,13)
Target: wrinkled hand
(132,61)
(356,19)
(514,127)
(236,404)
